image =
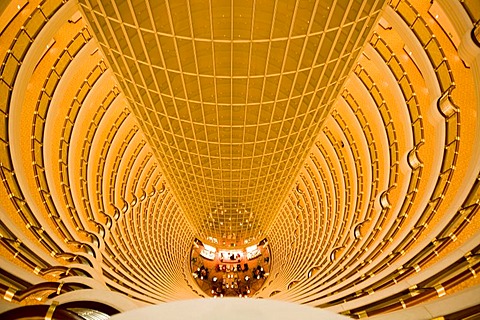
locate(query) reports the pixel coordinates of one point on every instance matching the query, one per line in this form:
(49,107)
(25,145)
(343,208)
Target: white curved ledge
(231,308)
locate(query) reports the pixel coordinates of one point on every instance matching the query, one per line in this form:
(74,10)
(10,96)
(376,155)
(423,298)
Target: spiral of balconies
(380,221)
(386,194)
(83,199)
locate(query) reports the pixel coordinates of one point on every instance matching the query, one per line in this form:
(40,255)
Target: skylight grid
(235,93)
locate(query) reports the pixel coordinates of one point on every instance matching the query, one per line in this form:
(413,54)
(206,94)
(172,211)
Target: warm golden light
(232,94)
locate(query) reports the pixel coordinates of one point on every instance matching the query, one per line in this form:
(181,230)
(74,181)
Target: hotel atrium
(319,152)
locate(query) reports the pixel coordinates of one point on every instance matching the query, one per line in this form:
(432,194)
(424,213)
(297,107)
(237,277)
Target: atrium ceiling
(232,94)
(344,132)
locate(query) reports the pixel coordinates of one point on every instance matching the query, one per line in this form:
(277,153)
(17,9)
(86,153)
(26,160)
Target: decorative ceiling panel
(231,94)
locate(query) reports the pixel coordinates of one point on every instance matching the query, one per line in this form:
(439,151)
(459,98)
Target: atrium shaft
(231,94)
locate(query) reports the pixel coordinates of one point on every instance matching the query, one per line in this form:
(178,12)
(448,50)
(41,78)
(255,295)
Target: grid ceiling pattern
(231,94)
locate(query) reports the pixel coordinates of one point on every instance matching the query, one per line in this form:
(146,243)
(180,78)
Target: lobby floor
(230,281)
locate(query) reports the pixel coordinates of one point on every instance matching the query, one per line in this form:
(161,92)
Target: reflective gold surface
(381,220)
(231,94)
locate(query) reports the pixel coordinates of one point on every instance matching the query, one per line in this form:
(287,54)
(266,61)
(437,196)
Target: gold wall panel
(231,94)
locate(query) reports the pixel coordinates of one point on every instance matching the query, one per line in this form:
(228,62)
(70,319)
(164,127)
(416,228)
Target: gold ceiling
(231,94)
